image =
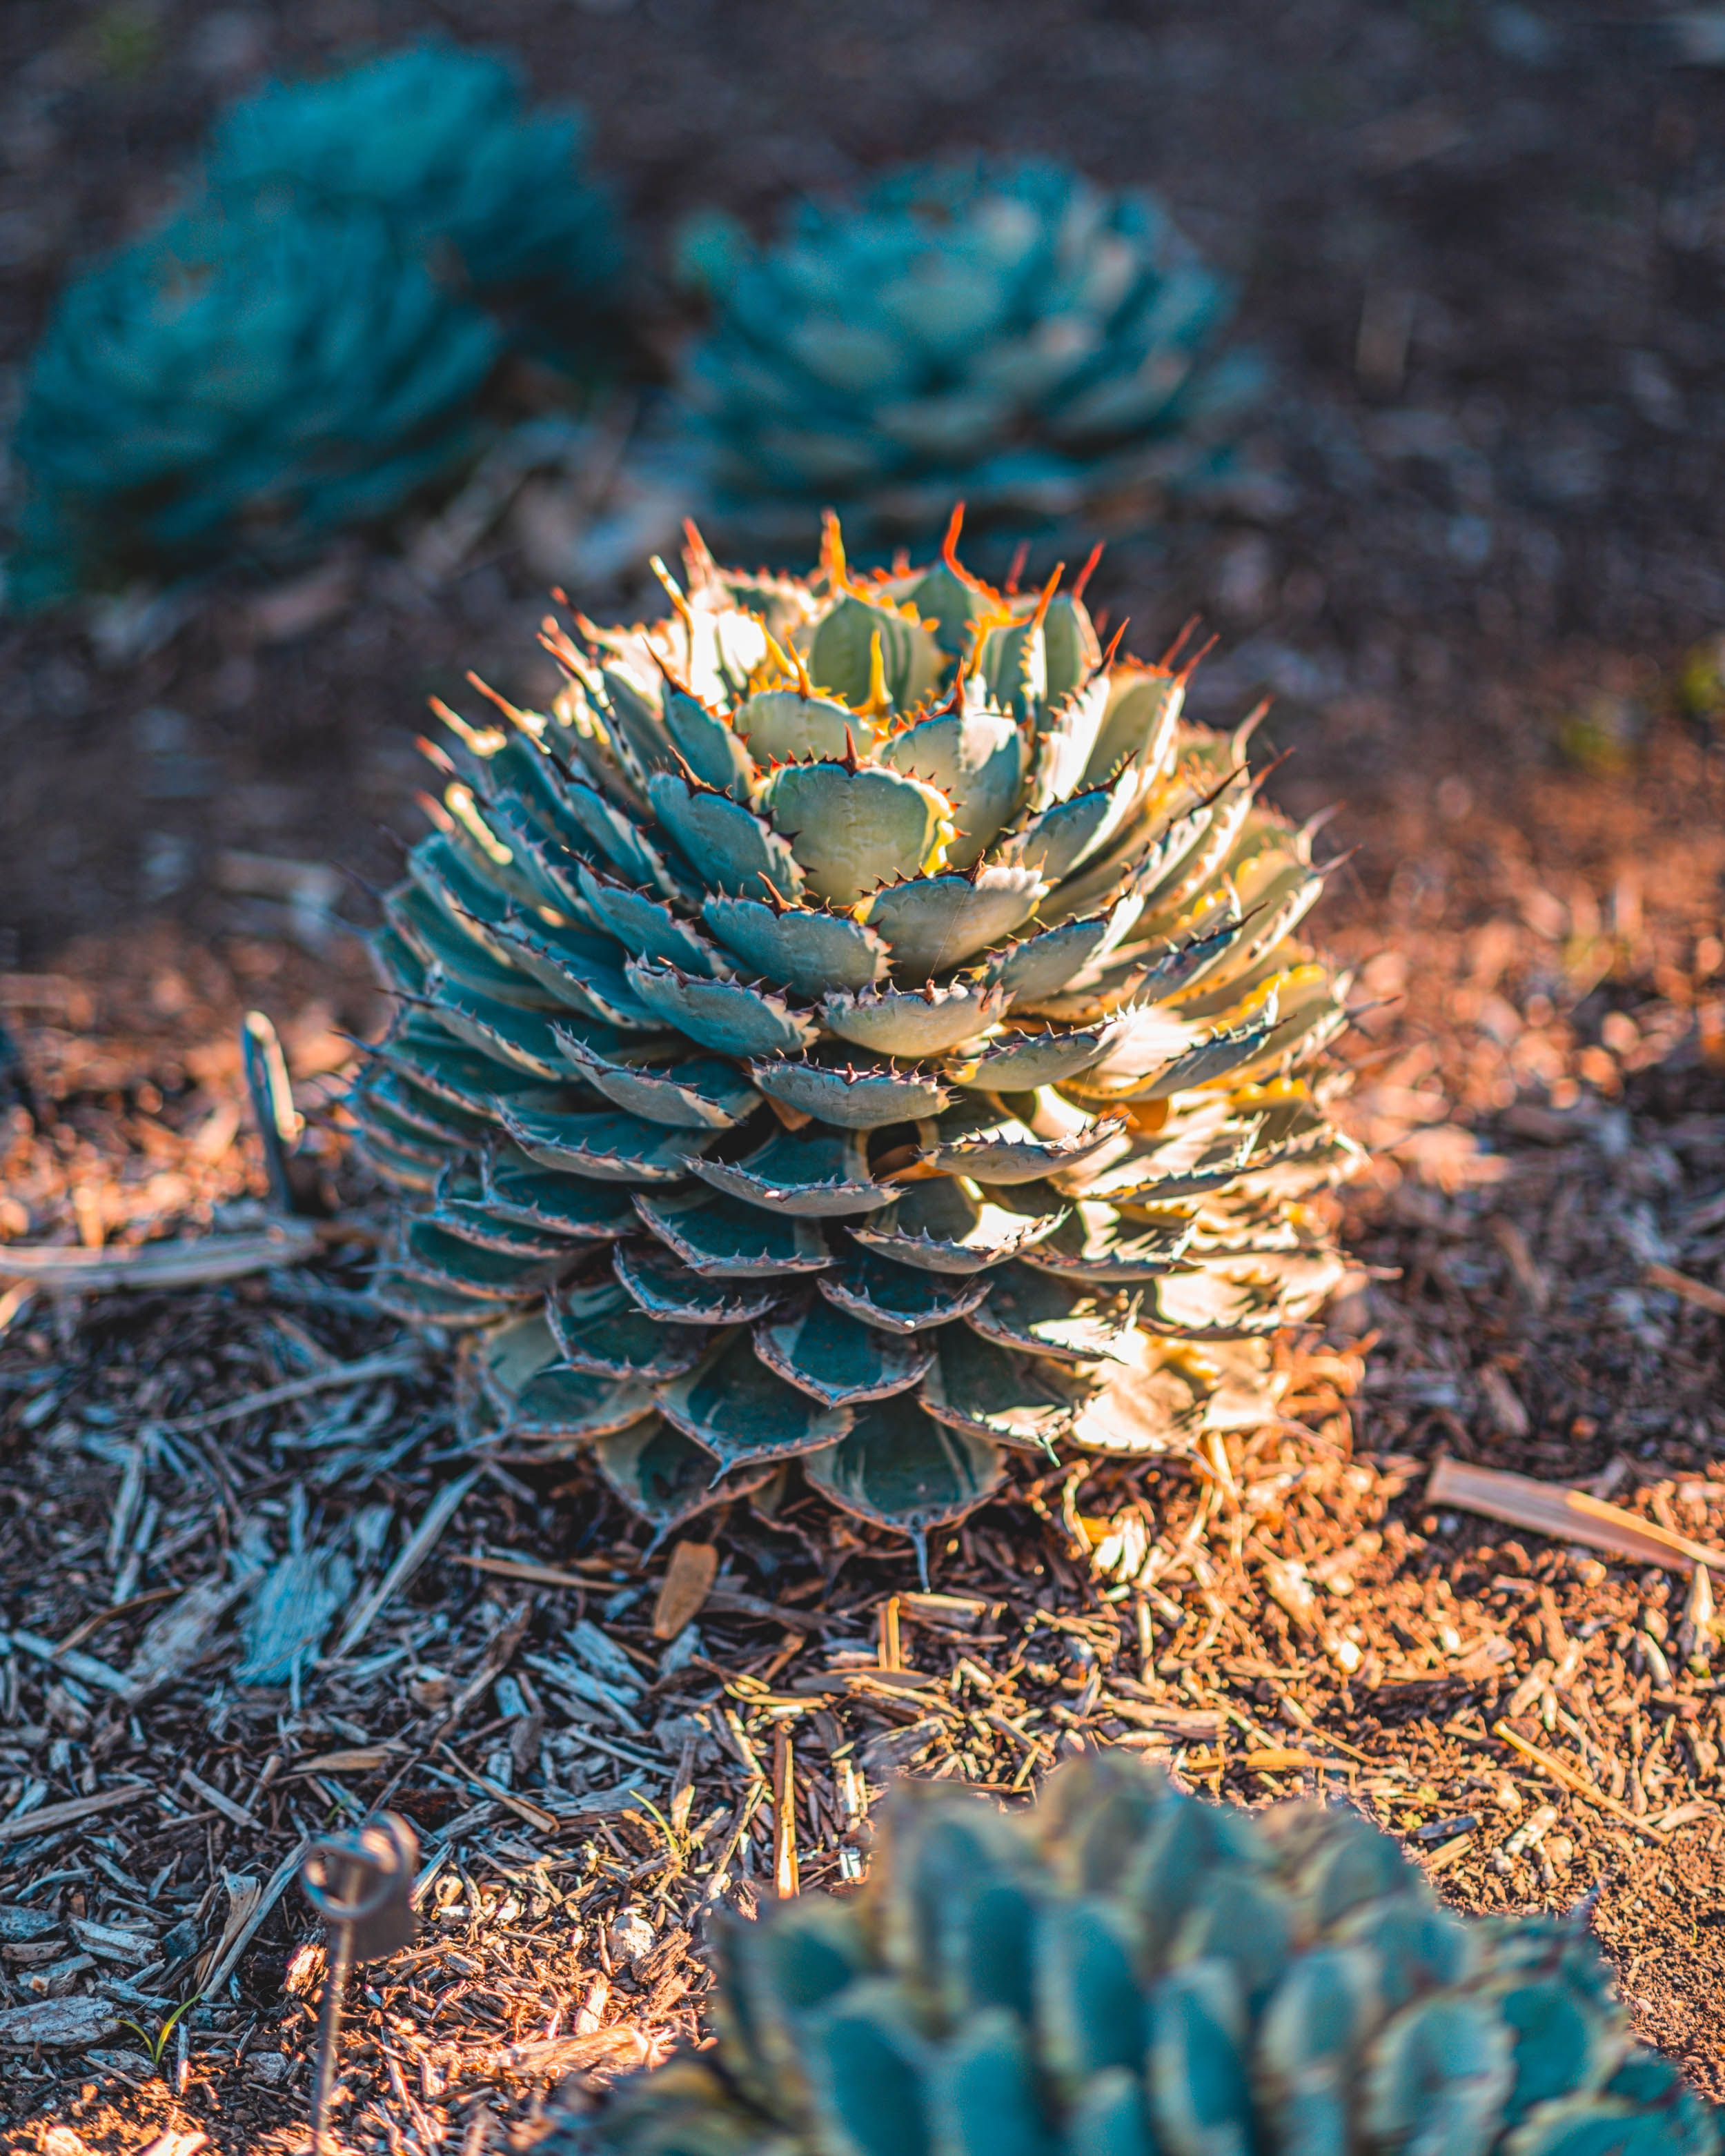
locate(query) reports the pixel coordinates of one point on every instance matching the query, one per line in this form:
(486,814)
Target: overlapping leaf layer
(860,1024)
(1127,1972)
(1007,333)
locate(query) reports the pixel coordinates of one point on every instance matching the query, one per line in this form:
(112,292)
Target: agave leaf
(1040,966)
(937,922)
(731,848)
(402,1167)
(812,953)
(420,1301)
(814,1172)
(584,971)
(704,1094)
(901,1469)
(664,1477)
(708,744)
(509,1355)
(399,966)
(1065,743)
(1224,1055)
(1009,658)
(1073,652)
(1436,2078)
(622,841)
(431,1254)
(1143,1041)
(854,1099)
(650,930)
(837,1359)
(782,725)
(516,1188)
(900,1298)
(986,1390)
(377,1121)
(1065,835)
(1311,1013)
(954,600)
(1200,2088)
(1009,1152)
(599,1329)
(522,1038)
(539,874)
(895,1022)
(722,1238)
(411,1109)
(854,829)
(460,1077)
(735,1406)
(1041,1314)
(448,877)
(980,760)
(671,1293)
(723,1015)
(566,1404)
(1020,1063)
(1094,1243)
(428,931)
(612,1149)
(470,1220)
(950,1226)
(840,653)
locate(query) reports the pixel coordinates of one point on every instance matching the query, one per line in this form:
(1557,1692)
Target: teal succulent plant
(1011,336)
(1124,1971)
(242,382)
(860,1024)
(435,139)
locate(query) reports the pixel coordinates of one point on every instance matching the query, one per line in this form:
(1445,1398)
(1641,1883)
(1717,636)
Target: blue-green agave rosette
(435,138)
(1008,335)
(860,1024)
(242,383)
(1122,1970)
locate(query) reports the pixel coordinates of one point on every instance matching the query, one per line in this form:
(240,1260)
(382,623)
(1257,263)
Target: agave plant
(1123,1971)
(244,380)
(435,138)
(859,1024)
(1009,335)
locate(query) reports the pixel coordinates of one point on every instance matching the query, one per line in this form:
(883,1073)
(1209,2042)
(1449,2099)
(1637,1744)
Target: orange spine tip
(1046,599)
(1021,554)
(1089,569)
(1196,660)
(949,545)
(1114,644)
(1173,652)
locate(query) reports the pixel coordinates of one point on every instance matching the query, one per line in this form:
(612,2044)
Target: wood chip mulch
(598,1745)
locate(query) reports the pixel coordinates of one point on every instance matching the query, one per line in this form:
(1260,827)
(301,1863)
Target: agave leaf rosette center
(859,1024)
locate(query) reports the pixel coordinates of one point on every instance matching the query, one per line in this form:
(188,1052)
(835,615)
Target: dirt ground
(1482,245)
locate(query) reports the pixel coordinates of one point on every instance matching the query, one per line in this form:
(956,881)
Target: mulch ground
(1539,1070)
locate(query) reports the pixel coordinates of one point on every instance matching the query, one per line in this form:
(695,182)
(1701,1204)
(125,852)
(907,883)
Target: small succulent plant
(860,1024)
(1124,1971)
(435,138)
(242,382)
(1008,336)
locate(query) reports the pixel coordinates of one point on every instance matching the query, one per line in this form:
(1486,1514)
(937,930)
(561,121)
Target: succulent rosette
(1010,335)
(1123,1971)
(862,1024)
(241,383)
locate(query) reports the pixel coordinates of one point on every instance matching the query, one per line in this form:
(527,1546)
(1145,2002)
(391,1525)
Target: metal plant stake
(362,1884)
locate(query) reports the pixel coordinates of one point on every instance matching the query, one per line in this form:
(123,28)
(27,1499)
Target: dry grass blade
(1568,1515)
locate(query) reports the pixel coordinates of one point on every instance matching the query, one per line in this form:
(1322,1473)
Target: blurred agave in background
(1010,336)
(435,138)
(250,381)
(304,347)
